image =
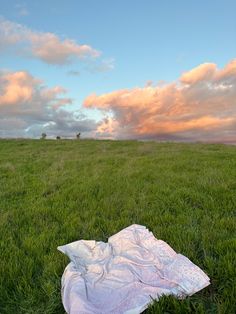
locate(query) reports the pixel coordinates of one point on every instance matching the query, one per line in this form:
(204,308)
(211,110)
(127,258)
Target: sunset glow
(203,100)
(68,77)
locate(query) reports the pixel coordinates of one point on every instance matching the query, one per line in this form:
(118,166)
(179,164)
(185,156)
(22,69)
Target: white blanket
(125,274)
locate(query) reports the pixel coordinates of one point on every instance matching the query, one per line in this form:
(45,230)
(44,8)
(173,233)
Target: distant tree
(43,136)
(58,137)
(78,136)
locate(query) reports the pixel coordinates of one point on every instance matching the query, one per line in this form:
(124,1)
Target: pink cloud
(199,106)
(50,49)
(28,108)
(21,87)
(47,47)
(201,73)
(16,88)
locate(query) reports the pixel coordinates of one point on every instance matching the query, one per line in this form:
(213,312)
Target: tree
(78,136)
(58,137)
(43,136)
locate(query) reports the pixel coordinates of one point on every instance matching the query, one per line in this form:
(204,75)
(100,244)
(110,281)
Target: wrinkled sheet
(125,274)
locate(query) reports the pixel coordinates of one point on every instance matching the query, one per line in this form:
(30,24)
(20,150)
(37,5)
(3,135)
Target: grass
(55,192)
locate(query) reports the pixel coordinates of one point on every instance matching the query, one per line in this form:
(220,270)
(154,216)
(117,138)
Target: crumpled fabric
(125,274)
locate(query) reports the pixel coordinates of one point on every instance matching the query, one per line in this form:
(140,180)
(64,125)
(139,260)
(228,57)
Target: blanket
(125,274)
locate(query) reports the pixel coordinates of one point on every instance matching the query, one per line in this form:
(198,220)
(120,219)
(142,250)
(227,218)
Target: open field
(55,192)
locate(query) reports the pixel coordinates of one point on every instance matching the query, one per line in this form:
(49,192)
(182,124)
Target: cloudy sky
(163,70)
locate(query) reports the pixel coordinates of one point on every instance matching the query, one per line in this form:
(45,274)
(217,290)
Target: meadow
(56,192)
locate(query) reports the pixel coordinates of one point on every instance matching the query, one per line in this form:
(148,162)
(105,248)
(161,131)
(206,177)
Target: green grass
(55,192)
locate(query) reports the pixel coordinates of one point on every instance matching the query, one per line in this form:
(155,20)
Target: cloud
(203,72)
(199,106)
(28,108)
(208,72)
(46,47)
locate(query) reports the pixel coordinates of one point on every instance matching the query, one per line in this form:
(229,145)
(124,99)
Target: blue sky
(139,41)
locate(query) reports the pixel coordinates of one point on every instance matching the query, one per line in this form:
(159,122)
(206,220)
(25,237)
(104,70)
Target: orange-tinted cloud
(16,88)
(199,106)
(201,73)
(47,47)
(28,108)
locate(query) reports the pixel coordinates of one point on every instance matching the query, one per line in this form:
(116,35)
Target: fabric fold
(125,274)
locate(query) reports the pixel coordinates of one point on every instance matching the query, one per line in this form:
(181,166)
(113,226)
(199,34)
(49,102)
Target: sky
(160,70)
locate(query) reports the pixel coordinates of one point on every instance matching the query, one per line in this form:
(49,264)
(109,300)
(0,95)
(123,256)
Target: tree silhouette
(43,136)
(78,136)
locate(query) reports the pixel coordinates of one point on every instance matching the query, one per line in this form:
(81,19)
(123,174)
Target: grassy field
(55,192)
